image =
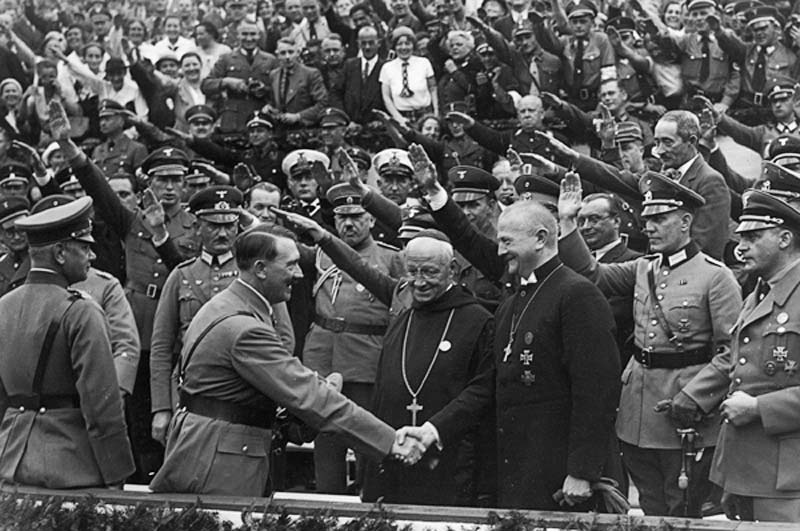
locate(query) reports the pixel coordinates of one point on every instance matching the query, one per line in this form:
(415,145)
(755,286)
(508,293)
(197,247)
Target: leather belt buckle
(647,359)
(584,93)
(336,324)
(152,291)
(758,98)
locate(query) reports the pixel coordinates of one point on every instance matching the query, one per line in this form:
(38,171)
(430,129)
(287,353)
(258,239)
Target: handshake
(411,443)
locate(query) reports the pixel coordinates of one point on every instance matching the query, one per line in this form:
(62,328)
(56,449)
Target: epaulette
(388,246)
(79,294)
(714,261)
(104,274)
(188,262)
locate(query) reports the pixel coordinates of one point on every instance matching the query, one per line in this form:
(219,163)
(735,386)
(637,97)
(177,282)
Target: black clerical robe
(446,397)
(455,398)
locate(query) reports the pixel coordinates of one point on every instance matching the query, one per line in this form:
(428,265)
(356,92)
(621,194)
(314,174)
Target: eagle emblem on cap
(349,199)
(766,185)
(462,174)
(394,160)
(648,196)
(168,152)
(222,205)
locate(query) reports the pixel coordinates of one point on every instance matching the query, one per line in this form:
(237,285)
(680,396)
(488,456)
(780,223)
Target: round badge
(782,318)
(445,345)
(359,288)
(528,338)
(770,368)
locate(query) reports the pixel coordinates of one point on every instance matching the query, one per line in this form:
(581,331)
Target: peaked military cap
(784,149)
(166,161)
(470,183)
(764,13)
(762,210)
(741,8)
(14,174)
(217,204)
(628,132)
(360,157)
(346,199)
(197,174)
(662,194)
(12,208)
(525,27)
(259,120)
(200,112)
(533,187)
(416,220)
(51,201)
(483,47)
(110,108)
(66,180)
(779,181)
(781,88)
(699,4)
(333,117)
(393,161)
(302,161)
(455,106)
(581,8)
(71,221)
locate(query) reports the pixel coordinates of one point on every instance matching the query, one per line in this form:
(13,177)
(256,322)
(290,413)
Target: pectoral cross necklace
(517,319)
(415,407)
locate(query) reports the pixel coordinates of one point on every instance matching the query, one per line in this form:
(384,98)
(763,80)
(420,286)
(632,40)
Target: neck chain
(415,407)
(517,319)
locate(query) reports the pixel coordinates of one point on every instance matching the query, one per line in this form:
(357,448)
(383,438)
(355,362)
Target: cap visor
(220,217)
(351,210)
(747,226)
(201,116)
(86,238)
(465,197)
(653,210)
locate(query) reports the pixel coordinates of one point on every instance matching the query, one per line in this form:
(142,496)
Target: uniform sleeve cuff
(437,200)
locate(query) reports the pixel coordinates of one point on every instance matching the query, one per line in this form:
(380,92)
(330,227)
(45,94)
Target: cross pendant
(414,407)
(507,352)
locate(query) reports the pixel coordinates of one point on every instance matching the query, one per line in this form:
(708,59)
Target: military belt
(673,360)
(23,402)
(339,325)
(152,291)
(227,411)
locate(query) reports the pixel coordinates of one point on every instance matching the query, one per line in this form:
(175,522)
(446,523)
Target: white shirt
(686,165)
(601,252)
(370,64)
(419,70)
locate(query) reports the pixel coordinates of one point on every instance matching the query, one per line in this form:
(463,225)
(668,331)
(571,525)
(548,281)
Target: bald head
(527,234)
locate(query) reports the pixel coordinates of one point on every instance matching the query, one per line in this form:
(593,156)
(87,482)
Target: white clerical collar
(686,165)
(222,259)
(530,280)
(601,252)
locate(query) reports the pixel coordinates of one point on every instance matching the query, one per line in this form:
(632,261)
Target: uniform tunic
(242,361)
(761,459)
(121,155)
(13,270)
(68,447)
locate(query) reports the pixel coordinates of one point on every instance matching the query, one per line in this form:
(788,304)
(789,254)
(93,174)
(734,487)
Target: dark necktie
(577,65)
(251,55)
(705,66)
(763,289)
(406,92)
(365,74)
(312,31)
(284,87)
(760,71)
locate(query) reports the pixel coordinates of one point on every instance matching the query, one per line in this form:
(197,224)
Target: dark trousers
(330,466)
(147,452)
(655,474)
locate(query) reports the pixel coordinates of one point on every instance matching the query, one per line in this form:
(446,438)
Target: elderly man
(59,385)
(556,362)
(235,370)
(438,332)
(684,305)
(755,462)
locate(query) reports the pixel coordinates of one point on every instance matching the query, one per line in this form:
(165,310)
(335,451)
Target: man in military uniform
(107,291)
(588,54)
(394,174)
(685,304)
(14,264)
(63,424)
(707,70)
(763,60)
(349,324)
(162,226)
(634,65)
(333,123)
(14,180)
(306,170)
(784,151)
(784,121)
(118,152)
(220,438)
(200,120)
(190,285)
(756,462)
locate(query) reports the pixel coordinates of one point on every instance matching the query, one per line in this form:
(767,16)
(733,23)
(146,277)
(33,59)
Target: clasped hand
(411,443)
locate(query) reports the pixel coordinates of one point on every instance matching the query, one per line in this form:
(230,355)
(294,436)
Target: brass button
(651,335)
(654,322)
(742,361)
(746,340)
(158,260)
(21,409)
(42,410)
(737,381)
(244,448)
(155,275)
(665,273)
(663,285)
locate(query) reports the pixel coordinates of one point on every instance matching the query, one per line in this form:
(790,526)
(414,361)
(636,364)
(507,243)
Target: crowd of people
(492,247)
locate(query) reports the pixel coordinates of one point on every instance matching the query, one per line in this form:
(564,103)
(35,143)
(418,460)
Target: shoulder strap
(47,347)
(660,317)
(185,364)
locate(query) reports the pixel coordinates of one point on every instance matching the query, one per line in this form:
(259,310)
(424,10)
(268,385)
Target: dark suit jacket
(356,98)
(306,95)
(710,227)
(505,25)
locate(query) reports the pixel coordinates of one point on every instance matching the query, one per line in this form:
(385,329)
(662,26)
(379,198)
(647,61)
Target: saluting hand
(58,122)
(570,197)
(424,169)
(350,172)
(560,148)
(301,224)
